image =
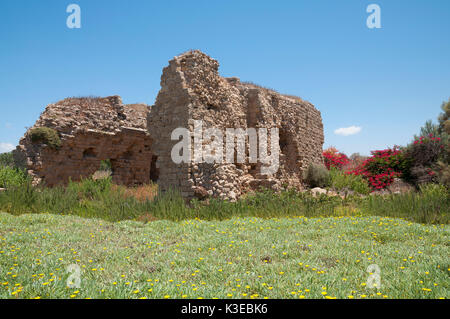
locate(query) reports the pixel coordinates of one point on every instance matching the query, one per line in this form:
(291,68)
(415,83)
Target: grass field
(289,257)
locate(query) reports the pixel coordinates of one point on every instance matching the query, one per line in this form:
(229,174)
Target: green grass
(101,199)
(237,258)
(430,205)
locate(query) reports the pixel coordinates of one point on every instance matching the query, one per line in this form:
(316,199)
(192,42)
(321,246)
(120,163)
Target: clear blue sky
(387,81)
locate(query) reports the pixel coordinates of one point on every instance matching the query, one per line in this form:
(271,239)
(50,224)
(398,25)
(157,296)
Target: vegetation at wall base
(101,199)
(317,175)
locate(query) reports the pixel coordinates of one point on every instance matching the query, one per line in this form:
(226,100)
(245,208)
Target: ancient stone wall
(138,140)
(91,130)
(192,89)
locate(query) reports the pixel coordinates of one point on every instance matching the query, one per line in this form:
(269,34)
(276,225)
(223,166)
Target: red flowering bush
(382,167)
(425,151)
(333,158)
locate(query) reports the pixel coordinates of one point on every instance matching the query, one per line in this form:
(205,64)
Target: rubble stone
(192,89)
(91,130)
(137,139)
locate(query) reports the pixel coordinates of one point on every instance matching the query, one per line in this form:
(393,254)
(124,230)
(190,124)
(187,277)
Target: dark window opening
(283,140)
(154,171)
(89,153)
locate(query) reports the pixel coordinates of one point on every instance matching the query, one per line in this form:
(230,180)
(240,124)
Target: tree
(6,159)
(444,118)
(428,128)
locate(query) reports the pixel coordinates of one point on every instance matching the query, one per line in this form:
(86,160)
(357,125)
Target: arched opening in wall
(89,153)
(154,171)
(289,153)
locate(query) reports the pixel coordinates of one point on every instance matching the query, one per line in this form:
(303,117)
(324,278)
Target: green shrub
(105,166)
(434,190)
(317,175)
(423,155)
(390,159)
(45,135)
(89,188)
(443,172)
(6,159)
(356,183)
(12,177)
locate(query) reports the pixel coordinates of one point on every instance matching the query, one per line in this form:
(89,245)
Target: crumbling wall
(138,139)
(91,130)
(192,89)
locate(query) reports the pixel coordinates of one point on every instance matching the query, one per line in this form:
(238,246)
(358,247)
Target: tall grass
(430,205)
(101,199)
(87,198)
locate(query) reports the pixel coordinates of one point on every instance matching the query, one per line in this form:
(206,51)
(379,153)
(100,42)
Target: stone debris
(399,186)
(137,140)
(317,191)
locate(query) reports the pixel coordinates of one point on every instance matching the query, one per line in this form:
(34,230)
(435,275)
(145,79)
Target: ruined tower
(138,140)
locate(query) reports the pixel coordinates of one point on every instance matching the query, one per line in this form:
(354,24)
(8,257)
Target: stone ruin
(91,130)
(137,139)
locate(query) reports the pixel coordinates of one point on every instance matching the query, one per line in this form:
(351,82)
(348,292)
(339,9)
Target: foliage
(443,173)
(45,135)
(333,158)
(100,199)
(12,177)
(423,155)
(105,165)
(430,205)
(341,181)
(428,129)
(382,167)
(444,118)
(317,175)
(425,150)
(6,159)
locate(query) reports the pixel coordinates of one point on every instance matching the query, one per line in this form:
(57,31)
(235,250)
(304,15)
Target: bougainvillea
(333,158)
(382,167)
(425,150)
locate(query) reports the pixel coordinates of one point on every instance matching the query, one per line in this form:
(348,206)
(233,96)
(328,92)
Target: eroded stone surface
(91,130)
(137,139)
(192,89)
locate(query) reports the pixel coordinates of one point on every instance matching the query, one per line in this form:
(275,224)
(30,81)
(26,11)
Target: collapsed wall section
(90,130)
(192,90)
(139,141)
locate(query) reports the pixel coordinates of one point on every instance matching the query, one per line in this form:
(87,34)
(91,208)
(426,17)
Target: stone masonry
(91,130)
(192,89)
(137,138)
